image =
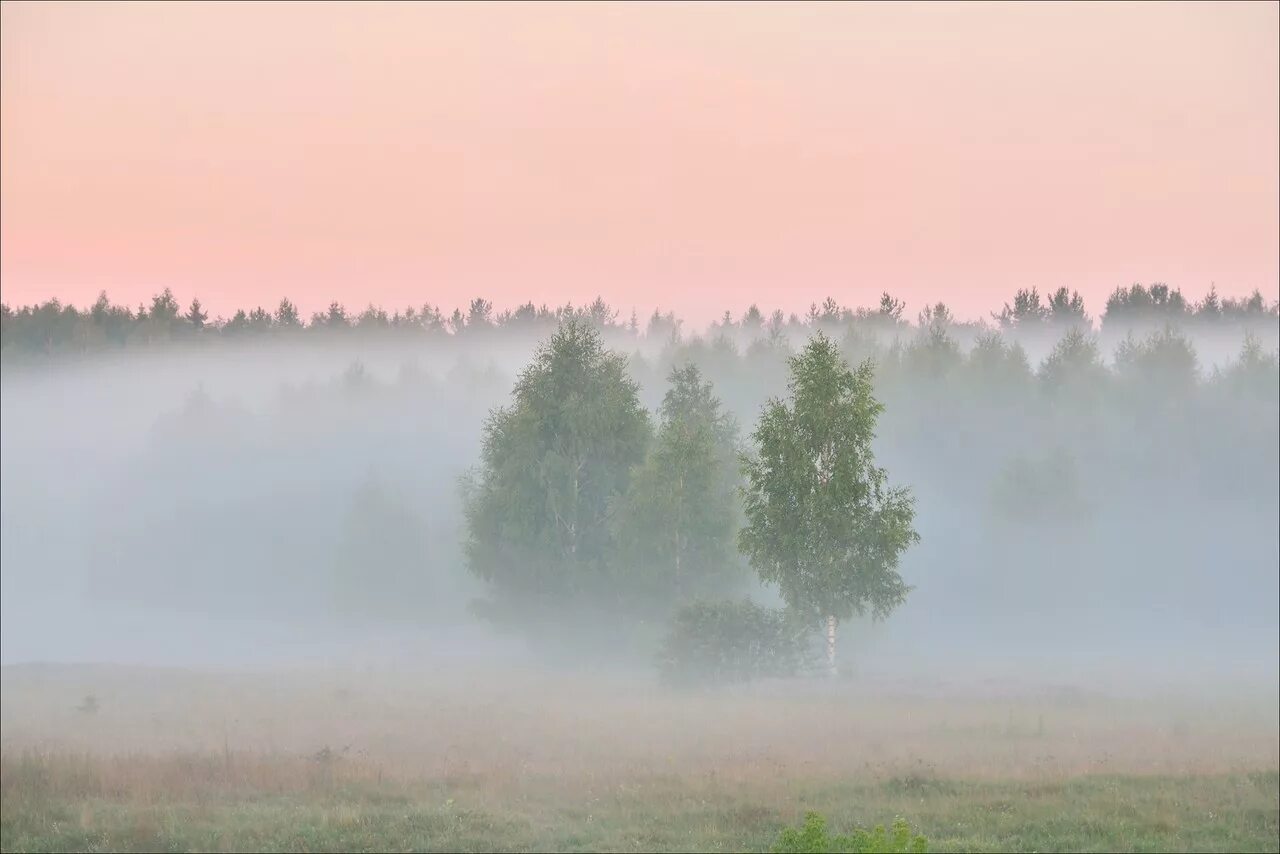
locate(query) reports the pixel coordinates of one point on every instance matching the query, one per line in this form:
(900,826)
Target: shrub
(722,642)
(812,838)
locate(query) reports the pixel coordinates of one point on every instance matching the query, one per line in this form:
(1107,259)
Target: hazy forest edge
(1044,453)
(53,327)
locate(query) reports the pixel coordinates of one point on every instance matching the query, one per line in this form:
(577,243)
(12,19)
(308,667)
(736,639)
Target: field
(478,760)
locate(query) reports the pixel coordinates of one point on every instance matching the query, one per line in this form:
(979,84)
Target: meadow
(446,758)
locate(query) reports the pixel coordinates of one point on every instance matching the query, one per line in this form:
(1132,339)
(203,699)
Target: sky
(693,157)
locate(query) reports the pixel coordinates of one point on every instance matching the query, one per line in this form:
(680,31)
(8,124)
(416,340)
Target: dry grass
(537,760)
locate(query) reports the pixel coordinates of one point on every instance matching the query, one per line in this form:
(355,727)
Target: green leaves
(1074,369)
(821,521)
(552,466)
(714,643)
(677,524)
(567,502)
(812,838)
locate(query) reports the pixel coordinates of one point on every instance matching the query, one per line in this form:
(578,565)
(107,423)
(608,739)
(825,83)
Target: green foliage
(1045,490)
(1256,374)
(1067,308)
(933,354)
(677,525)
(381,559)
(1026,310)
(998,371)
(1163,366)
(812,838)
(553,465)
(52,805)
(821,521)
(50,328)
(1136,303)
(1074,369)
(711,643)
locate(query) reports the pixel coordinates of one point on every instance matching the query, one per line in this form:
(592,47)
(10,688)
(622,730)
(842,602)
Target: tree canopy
(553,466)
(822,522)
(681,509)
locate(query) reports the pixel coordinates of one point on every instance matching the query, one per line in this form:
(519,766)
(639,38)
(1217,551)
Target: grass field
(448,760)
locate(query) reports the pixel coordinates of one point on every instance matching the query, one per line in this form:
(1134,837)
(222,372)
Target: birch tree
(553,466)
(681,510)
(822,523)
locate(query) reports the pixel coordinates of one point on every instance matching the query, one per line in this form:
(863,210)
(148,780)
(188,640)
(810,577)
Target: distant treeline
(1084,486)
(1056,487)
(55,328)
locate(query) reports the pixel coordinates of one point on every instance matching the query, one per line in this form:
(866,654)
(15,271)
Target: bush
(722,642)
(812,838)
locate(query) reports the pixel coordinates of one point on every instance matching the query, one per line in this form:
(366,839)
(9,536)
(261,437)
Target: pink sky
(694,157)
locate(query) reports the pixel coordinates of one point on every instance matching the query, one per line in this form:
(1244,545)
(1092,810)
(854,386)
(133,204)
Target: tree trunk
(831,646)
(679,585)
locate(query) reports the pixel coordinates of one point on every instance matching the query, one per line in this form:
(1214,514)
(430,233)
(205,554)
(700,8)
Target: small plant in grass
(812,838)
(327,755)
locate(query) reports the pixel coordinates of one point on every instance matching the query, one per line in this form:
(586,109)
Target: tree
(821,522)
(601,314)
(891,308)
(1138,306)
(479,316)
(334,318)
(1253,307)
(1026,311)
(162,318)
(1161,369)
(663,327)
(1256,373)
(380,560)
(1210,308)
(1067,309)
(164,308)
(238,323)
(287,315)
(1073,370)
(372,318)
(6,325)
(998,371)
(1044,491)
(933,354)
(260,320)
(681,508)
(196,315)
(553,464)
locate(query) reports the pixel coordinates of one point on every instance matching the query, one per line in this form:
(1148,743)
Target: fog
(283,500)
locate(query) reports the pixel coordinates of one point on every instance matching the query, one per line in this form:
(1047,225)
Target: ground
(476,759)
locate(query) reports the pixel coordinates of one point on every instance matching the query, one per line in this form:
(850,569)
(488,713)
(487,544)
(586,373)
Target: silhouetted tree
(287,316)
(195,315)
(1027,311)
(1073,369)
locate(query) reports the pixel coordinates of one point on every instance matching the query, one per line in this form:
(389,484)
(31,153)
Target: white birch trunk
(831,645)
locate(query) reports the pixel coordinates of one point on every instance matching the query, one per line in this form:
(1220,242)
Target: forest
(53,328)
(549,579)
(1097,490)
(616,427)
